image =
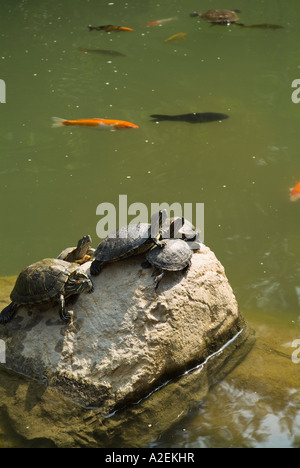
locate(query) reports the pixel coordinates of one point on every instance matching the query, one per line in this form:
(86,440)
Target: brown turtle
(175,256)
(218,16)
(128,240)
(228,17)
(48,281)
(80,254)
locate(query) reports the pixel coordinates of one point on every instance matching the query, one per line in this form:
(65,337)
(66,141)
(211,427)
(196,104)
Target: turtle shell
(219,16)
(175,256)
(42,282)
(124,242)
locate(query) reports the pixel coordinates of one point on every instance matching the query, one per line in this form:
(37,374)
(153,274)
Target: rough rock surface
(126,337)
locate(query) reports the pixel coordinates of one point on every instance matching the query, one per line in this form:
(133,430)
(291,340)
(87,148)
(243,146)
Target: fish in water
(109,28)
(176,37)
(101,124)
(261,26)
(295,192)
(161,21)
(195,117)
(102,51)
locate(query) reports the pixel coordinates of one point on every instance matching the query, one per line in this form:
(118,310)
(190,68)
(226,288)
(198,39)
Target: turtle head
(84,244)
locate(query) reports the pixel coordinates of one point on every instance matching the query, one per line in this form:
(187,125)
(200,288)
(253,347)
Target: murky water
(52,180)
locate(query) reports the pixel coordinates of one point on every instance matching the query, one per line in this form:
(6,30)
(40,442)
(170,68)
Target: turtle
(80,254)
(175,256)
(225,17)
(180,228)
(129,240)
(47,282)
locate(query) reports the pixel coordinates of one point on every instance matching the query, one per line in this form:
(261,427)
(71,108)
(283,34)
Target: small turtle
(127,241)
(180,228)
(228,17)
(80,254)
(225,17)
(175,256)
(47,281)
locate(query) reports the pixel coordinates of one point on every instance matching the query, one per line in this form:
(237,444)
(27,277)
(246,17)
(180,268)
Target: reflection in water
(138,425)
(253,401)
(231,417)
(257,405)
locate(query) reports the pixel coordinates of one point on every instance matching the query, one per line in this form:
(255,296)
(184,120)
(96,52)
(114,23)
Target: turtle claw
(66,318)
(96,267)
(159,243)
(158,279)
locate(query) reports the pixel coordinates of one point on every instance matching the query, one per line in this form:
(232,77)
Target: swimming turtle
(175,256)
(80,254)
(218,16)
(227,17)
(129,240)
(46,282)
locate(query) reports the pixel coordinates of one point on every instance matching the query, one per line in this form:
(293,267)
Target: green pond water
(52,180)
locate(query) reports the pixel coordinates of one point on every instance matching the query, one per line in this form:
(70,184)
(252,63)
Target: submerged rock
(126,337)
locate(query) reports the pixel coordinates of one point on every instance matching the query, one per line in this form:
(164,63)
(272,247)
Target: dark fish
(195,117)
(261,26)
(109,27)
(102,51)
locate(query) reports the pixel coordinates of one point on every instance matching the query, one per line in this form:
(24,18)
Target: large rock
(126,337)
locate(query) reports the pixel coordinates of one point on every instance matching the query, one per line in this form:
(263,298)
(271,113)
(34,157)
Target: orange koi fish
(295,192)
(109,27)
(161,21)
(101,124)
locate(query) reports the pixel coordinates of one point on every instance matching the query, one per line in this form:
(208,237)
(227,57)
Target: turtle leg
(159,278)
(8,313)
(84,259)
(186,269)
(96,267)
(159,243)
(64,315)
